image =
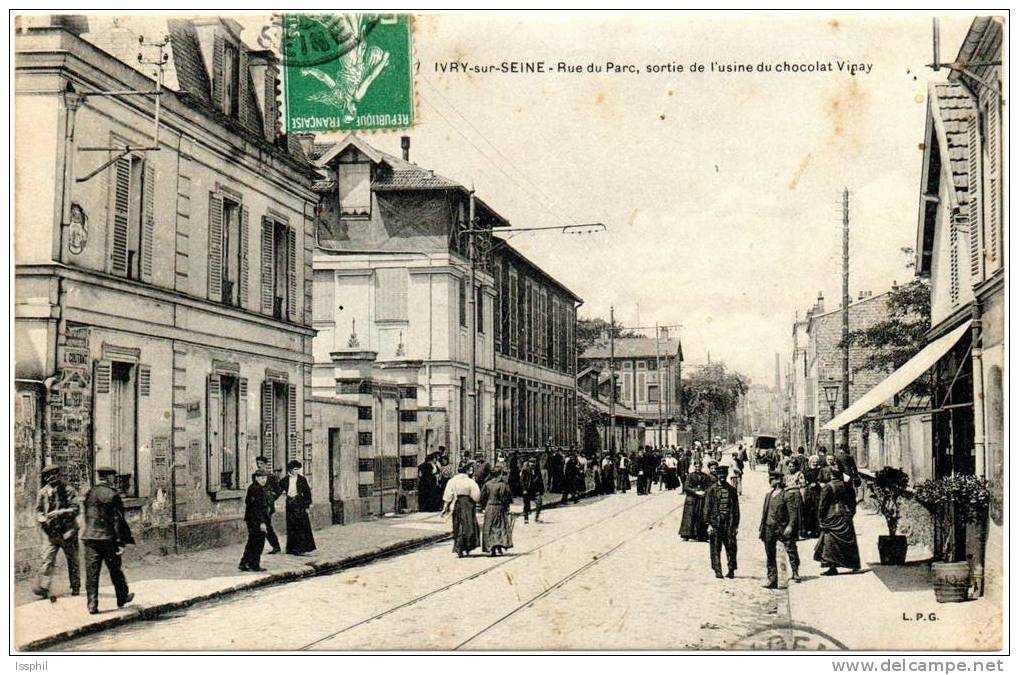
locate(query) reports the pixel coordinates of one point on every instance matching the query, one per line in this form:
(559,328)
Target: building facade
(535,354)
(649,374)
(960,248)
(163,274)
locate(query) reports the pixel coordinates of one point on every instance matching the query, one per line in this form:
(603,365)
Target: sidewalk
(889,608)
(165,583)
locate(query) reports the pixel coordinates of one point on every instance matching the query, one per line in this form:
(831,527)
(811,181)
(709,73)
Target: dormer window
(231,79)
(355,189)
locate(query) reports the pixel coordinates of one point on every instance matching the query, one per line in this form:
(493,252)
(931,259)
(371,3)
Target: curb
(312,569)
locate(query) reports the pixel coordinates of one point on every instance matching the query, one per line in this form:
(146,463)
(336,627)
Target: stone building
(649,374)
(824,364)
(163,272)
(535,354)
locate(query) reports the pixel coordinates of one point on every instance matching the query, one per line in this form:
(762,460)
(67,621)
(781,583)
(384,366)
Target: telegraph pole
(658,370)
(612,380)
(845,312)
(472,323)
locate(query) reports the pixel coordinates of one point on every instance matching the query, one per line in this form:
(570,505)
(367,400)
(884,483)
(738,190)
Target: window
(652,393)
(279,423)
(513,311)
(463,302)
(391,294)
(279,269)
(641,365)
(230,430)
(641,388)
(627,394)
(232,251)
(231,80)
(355,189)
(124,426)
(132,228)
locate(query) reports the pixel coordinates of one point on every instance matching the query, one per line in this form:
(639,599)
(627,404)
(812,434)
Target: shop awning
(900,379)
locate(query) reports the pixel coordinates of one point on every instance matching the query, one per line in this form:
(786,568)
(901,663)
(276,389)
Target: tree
(894,341)
(711,391)
(589,332)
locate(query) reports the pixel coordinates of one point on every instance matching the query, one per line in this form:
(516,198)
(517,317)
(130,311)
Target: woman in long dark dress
(461,497)
(837,545)
(514,475)
(496,498)
(695,487)
(295,486)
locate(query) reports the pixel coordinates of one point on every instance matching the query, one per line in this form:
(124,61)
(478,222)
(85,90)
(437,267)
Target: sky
(721,192)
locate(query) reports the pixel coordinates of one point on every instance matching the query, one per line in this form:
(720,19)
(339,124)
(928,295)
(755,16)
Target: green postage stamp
(347,72)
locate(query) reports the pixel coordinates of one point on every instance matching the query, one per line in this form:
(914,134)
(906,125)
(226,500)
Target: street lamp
(831,394)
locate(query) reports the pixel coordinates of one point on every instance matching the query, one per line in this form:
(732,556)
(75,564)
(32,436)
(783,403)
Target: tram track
(480,573)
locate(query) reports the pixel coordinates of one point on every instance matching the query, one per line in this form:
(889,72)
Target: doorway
(335,473)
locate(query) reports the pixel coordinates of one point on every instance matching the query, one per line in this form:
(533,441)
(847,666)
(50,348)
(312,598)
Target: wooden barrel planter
(951,581)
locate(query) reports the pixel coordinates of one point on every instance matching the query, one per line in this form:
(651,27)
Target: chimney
(265,75)
(895,285)
(405,146)
(819,305)
(72,23)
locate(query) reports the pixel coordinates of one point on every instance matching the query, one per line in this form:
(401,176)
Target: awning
(900,379)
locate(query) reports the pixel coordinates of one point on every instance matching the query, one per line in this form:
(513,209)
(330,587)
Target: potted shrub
(888,488)
(953,501)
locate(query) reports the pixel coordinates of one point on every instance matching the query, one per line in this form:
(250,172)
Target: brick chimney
(819,305)
(405,146)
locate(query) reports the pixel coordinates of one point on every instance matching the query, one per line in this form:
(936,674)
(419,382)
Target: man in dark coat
(106,534)
(776,526)
(271,488)
(572,477)
(56,508)
(533,488)
(482,470)
(300,540)
(256,517)
(721,512)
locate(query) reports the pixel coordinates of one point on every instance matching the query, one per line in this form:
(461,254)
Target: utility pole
(845,312)
(612,379)
(472,324)
(661,382)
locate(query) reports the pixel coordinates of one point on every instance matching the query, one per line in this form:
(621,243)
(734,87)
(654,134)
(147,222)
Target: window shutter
(391,294)
(144,380)
(218,88)
(293,437)
(993,226)
(244,112)
(148,220)
(214,457)
(215,247)
(953,259)
(267,265)
(101,412)
(121,207)
(973,206)
(267,423)
(243,291)
(244,462)
(291,274)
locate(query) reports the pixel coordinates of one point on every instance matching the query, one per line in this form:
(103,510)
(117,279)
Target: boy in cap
(56,507)
(256,517)
(106,534)
(721,511)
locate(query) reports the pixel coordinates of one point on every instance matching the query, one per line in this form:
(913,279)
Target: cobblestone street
(600,575)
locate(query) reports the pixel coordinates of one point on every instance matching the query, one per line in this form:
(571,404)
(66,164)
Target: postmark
(347,72)
(788,637)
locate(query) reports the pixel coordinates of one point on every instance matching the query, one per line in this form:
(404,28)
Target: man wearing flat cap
(776,526)
(106,534)
(721,511)
(56,508)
